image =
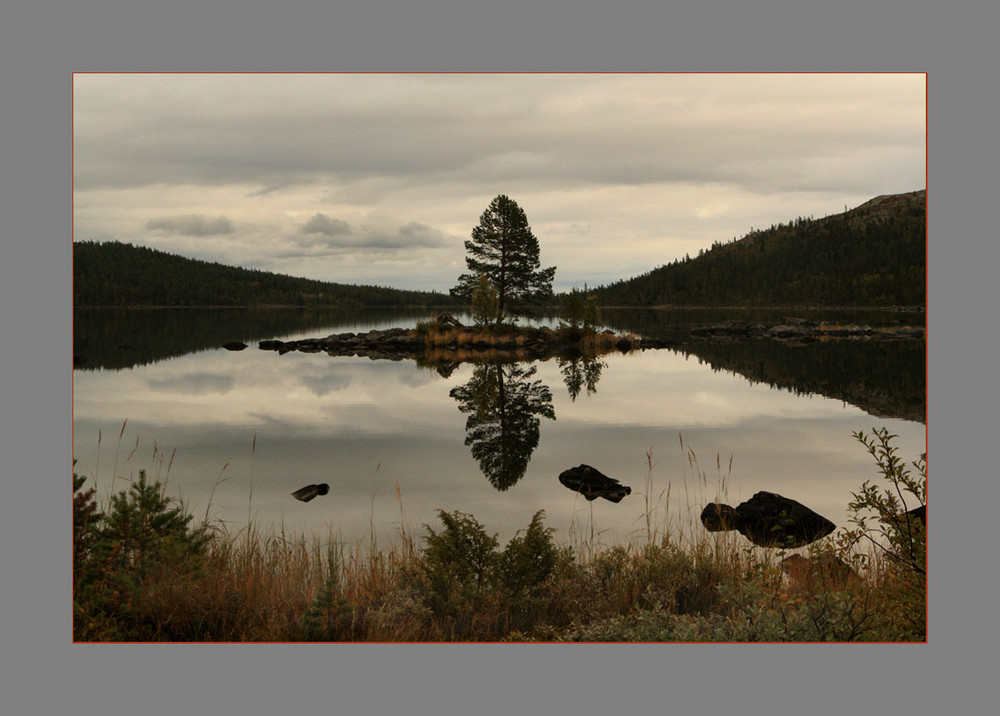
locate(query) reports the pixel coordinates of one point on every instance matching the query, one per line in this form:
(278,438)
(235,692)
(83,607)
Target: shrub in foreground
(141,546)
(474,589)
(143,573)
(883,519)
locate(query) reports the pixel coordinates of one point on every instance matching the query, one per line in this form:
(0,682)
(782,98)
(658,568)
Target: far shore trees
(505,251)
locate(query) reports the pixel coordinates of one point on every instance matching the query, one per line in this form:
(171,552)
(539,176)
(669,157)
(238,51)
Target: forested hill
(117,274)
(873,255)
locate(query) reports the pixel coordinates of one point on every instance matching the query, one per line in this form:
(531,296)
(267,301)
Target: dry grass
(673,581)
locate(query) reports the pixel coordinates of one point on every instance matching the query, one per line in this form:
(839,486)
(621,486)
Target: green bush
(582,315)
(900,540)
(486,304)
(471,587)
(903,538)
(330,615)
(528,560)
(142,573)
(142,540)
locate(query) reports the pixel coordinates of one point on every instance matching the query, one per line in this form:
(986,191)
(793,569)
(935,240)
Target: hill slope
(117,274)
(873,255)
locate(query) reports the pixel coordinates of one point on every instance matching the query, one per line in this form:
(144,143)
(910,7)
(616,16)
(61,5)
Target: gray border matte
(42,43)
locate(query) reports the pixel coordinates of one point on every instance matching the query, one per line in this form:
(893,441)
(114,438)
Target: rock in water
(310,491)
(234,346)
(592,483)
(718,517)
(768,520)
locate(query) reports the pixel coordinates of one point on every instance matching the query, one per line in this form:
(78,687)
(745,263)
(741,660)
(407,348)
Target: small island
(446,340)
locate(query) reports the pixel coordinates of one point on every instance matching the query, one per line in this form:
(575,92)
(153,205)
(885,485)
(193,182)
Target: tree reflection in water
(580,372)
(505,408)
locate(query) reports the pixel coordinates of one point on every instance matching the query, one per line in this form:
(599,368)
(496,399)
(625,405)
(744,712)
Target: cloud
(416,234)
(322,233)
(323,224)
(617,173)
(192,225)
(339,130)
(410,236)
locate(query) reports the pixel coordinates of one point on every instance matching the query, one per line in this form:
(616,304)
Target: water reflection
(581,372)
(192,383)
(505,408)
(884,378)
(124,338)
(365,426)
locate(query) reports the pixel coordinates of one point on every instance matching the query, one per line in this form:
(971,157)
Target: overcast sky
(380,178)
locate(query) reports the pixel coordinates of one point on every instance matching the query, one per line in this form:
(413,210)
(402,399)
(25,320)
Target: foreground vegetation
(144,572)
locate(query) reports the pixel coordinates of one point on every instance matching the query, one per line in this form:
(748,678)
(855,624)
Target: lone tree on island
(505,251)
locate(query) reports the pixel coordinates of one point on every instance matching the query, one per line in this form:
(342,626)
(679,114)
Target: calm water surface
(234,433)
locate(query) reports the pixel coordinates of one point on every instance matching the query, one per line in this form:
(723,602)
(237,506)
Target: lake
(233,433)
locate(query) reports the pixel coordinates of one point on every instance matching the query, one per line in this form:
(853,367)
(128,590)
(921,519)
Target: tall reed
(671,581)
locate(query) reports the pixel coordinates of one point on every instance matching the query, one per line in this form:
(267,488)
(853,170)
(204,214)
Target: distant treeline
(119,274)
(874,255)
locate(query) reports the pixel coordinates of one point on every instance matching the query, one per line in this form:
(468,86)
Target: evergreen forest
(120,274)
(873,255)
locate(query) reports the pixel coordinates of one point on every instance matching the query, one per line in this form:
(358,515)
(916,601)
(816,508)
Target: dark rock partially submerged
(310,491)
(592,483)
(768,520)
(234,346)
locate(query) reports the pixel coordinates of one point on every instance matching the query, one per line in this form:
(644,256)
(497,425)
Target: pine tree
(504,249)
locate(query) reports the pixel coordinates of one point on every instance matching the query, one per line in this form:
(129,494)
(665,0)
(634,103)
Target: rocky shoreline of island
(802,329)
(471,343)
(445,336)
